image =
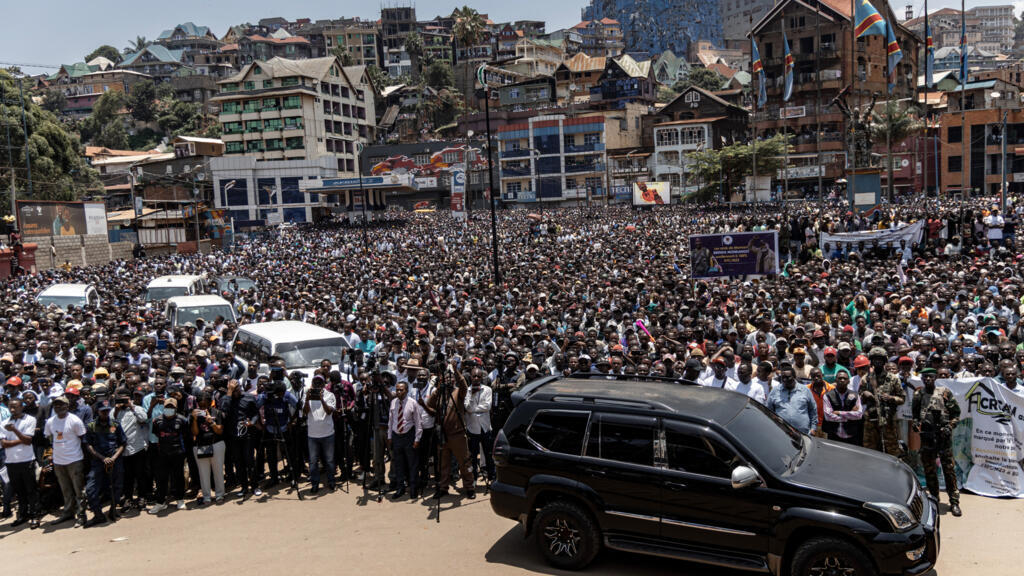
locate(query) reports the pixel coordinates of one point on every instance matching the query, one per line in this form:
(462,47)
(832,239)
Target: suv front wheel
(830,557)
(566,535)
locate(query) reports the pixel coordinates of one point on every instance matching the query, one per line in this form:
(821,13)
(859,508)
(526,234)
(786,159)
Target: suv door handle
(595,472)
(674,485)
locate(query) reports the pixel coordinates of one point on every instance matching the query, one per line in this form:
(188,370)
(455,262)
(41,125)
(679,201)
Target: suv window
(559,430)
(623,439)
(693,451)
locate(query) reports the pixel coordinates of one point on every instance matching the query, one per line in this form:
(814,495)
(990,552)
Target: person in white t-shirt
(994,223)
(718,377)
(745,384)
(67,433)
(319,411)
(16,437)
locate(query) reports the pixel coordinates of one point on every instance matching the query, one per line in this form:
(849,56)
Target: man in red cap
(830,367)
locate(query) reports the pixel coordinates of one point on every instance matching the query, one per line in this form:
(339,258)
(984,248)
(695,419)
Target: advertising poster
(37,218)
(458,203)
(651,193)
(734,254)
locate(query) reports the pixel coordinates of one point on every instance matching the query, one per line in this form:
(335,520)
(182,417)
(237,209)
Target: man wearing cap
(170,429)
(831,366)
(881,395)
(800,366)
(104,442)
(67,432)
(936,414)
(718,377)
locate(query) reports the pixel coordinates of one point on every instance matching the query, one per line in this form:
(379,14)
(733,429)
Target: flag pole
(784,114)
(963,101)
(924,105)
(851,180)
(817,106)
(753,124)
(889,185)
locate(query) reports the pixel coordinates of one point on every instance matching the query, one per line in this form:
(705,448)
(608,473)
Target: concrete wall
(78,250)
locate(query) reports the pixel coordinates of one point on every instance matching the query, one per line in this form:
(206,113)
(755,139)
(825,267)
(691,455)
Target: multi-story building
(653,26)
(284,120)
(256,47)
(397,22)
(192,40)
(506,39)
(437,44)
(576,76)
(536,93)
(948,58)
(601,37)
(829,52)
(997,26)
(156,61)
(624,81)
(669,68)
(989,28)
(738,15)
(571,39)
(537,57)
(971,143)
(361,39)
(82,87)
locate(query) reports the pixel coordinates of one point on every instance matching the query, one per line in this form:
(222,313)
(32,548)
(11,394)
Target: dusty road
(346,534)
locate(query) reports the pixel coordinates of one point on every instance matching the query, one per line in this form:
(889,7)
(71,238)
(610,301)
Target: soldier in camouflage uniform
(881,395)
(935,414)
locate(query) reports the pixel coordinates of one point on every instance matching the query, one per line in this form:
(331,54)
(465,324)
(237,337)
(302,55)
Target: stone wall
(90,250)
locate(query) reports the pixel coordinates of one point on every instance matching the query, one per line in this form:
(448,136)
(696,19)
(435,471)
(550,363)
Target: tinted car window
(690,450)
(774,442)
(623,440)
(559,430)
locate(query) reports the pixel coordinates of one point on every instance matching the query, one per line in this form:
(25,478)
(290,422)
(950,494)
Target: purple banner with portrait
(734,254)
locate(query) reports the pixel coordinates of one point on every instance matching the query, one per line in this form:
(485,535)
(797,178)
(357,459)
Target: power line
(22,64)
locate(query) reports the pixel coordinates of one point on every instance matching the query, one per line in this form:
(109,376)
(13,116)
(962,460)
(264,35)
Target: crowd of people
(110,409)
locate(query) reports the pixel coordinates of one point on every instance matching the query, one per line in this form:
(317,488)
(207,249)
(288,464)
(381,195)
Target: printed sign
(61,218)
(651,193)
(734,254)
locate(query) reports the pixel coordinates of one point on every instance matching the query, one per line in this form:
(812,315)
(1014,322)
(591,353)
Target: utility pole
(490,174)
(10,158)
(24,125)
(820,168)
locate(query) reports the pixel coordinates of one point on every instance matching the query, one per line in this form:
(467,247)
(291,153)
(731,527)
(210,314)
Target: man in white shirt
(994,223)
(16,438)
(404,431)
(478,423)
(319,411)
(67,433)
(718,377)
(744,384)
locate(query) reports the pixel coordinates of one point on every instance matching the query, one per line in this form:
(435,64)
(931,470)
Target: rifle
(444,391)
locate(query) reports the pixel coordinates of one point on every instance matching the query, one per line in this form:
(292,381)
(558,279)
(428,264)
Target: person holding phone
(318,409)
(207,424)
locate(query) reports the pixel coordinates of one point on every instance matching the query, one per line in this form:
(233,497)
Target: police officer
(105,443)
(936,413)
(881,395)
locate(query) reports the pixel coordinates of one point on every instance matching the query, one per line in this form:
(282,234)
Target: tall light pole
(1002,161)
(362,193)
(195,201)
(490,174)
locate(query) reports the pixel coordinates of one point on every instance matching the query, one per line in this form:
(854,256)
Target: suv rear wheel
(566,535)
(830,557)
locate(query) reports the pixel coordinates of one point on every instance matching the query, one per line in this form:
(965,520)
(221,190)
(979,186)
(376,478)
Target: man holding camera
(936,413)
(447,405)
(318,411)
(277,406)
(133,421)
(404,432)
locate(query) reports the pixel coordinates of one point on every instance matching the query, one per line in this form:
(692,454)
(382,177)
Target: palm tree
(469,27)
(139,43)
(414,48)
(894,124)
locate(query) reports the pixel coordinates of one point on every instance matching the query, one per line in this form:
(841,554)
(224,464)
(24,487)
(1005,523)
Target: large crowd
(112,410)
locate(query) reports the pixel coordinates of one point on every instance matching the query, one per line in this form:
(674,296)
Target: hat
(847,328)
(537,368)
(696,352)
(818,334)
(845,346)
(171,402)
(104,405)
(60,400)
(74,385)
(905,360)
(14,381)
(413,363)
(202,353)
(72,392)
(693,364)
(100,372)
(878,351)
(719,360)
(8,357)
(798,350)
(861,361)
(499,328)
(829,351)
(928,370)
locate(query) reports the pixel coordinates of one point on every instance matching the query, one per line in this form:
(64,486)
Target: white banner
(910,232)
(988,443)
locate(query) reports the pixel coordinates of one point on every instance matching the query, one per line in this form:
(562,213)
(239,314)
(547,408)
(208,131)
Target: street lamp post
(362,193)
(1002,160)
(490,174)
(195,201)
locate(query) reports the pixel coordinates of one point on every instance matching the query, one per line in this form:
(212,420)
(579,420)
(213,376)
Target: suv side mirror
(744,476)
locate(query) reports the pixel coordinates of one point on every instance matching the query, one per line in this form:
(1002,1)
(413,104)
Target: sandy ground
(352,534)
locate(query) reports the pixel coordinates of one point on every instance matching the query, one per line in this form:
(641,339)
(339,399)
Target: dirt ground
(352,534)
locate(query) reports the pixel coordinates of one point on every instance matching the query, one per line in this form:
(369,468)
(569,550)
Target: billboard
(651,193)
(458,200)
(734,254)
(36,218)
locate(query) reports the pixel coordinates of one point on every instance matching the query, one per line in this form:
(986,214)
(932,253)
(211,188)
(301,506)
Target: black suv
(704,475)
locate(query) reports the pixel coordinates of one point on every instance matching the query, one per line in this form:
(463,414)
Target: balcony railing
(591,147)
(515,153)
(515,172)
(576,168)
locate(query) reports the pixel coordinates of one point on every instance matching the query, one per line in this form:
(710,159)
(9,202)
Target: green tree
(377,76)
(107,51)
(58,169)
(469,27)
(54,101)
(702,78)
(105,111)
(343,56)
(893,125)
(734,163)
(142,101)
(112,135)
(139,43)
(439,75)
(414,48)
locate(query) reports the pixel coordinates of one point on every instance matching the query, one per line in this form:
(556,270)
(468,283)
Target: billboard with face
(38,218)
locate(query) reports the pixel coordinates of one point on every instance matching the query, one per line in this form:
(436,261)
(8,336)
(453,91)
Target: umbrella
(534,216)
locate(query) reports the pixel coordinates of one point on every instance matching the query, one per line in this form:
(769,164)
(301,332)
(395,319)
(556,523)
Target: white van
(302,346)
(164,287)
(183,310)
(64,295)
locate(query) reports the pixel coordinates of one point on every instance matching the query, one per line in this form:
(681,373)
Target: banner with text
(734,254)
(458,200)
(910,232)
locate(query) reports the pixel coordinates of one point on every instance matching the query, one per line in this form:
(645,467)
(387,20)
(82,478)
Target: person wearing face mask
(105,442)
(16,439)
(478,423)
(170,429)
(67,433)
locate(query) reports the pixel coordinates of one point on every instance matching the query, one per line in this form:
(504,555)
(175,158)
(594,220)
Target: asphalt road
(352,534)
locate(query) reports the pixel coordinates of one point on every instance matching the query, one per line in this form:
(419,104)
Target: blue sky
(63,31)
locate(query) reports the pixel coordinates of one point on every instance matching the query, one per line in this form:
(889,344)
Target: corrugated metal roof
(632,67)
(583,63)
(188,28)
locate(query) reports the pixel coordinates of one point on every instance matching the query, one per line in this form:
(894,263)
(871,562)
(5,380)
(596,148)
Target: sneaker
(157,508)
(219,500)
(257,492)
(181,504)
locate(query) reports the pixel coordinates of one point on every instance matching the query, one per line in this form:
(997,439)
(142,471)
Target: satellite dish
(572,87)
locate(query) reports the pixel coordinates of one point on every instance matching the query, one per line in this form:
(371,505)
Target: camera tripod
(279,439)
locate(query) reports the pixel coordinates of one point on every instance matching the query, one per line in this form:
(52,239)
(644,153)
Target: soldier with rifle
(936,413)
(881,395)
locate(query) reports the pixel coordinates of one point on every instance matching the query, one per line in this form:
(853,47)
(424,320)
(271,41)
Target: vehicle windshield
(62,301)
(207,313)
(774,442)
(165,292)
(310,353)
(242,283)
